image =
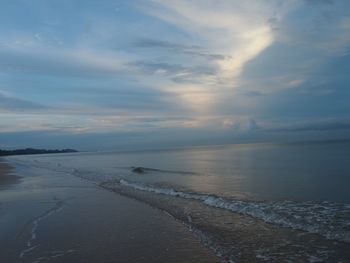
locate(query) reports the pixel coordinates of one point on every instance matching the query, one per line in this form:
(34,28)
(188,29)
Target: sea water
(248,202)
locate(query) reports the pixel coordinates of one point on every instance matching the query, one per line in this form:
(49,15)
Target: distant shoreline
(34,151)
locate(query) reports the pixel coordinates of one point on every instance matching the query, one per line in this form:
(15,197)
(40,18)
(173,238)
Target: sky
(104,75)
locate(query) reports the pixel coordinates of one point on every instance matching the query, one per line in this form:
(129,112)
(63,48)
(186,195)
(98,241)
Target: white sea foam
(34,226)
(330,220)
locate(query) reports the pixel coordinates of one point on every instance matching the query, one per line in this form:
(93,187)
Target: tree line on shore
(33,151)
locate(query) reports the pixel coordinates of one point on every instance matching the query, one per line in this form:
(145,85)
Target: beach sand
(56,217)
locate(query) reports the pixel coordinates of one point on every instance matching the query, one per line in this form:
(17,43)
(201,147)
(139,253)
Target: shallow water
(55,217)
(257,202)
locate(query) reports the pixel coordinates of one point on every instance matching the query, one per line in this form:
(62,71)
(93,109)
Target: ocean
(267,202)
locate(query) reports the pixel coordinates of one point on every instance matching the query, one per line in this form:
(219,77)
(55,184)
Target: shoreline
(56,217)
(6,174)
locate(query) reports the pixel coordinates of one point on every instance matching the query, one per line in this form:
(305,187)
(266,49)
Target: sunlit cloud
(239,31)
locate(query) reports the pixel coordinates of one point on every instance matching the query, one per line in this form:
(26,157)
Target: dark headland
(34,151)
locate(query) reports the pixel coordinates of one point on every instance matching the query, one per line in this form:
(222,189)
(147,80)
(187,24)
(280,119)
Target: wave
(141,169)
(327,219)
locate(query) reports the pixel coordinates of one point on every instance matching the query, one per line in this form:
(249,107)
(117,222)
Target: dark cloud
(252,125)
(323,125)
(273,22)
(150,43)
(177,73)
(150,67)
(15,104)
(192,50)
(317,2)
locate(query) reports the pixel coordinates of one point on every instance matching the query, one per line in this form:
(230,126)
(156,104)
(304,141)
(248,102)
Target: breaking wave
(327,219)
(141,169)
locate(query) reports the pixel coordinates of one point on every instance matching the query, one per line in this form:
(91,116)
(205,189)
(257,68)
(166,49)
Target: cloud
(8,103)
(69,62)
(319,2)
(190,50)
(158,68)
(315,125)
(226,34)
(175,72)
(241,124)
(324,29)
(236,29)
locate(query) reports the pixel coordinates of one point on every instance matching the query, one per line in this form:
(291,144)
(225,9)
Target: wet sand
(6,177)
(55,217)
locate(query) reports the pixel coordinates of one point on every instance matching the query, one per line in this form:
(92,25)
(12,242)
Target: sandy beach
(55,217)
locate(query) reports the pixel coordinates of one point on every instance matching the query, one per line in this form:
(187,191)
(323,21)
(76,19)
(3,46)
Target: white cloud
(237,29)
